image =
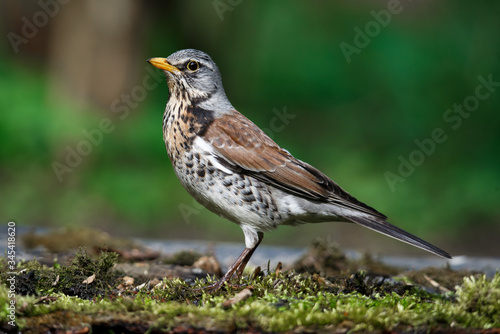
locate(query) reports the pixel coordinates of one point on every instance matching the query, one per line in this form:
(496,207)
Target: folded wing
(244,147)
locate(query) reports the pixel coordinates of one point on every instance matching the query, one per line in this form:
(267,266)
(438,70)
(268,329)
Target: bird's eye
(193,66)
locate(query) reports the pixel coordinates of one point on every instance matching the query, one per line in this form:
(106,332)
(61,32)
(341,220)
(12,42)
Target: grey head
(193,74)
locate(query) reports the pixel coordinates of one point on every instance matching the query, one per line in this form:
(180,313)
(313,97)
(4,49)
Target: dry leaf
(278,269)
(89,279)
(127,280)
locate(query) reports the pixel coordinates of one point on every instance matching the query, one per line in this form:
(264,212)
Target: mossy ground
(87,294)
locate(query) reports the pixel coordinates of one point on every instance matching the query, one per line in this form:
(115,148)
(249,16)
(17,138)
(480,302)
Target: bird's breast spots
(211,169)
(227,182)
(246,191)
(249,198)
(201,118)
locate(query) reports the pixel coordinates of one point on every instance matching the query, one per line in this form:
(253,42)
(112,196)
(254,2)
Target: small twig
(435,284)
(240,296)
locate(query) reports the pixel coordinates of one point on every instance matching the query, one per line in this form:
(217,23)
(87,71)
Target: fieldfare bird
(235,170)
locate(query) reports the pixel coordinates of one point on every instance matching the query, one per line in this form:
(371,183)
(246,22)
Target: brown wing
(245,148)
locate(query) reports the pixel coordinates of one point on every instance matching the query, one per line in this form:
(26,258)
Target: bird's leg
(244,263)
(230,272)
(238,266)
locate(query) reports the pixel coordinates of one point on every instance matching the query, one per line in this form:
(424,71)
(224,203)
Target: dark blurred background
(396,101)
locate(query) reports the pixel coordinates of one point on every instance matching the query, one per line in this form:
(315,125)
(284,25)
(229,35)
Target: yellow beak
(163,64)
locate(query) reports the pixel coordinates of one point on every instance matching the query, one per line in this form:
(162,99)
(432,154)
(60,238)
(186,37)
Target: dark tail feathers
(392,231)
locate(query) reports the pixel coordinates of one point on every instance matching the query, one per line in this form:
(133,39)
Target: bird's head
(192,74)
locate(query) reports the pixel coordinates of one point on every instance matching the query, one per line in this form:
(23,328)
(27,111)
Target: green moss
(279,302)
(481,296)
(36,279)
(285,307)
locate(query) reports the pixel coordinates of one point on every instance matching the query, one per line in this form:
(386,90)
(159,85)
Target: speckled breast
(236,197)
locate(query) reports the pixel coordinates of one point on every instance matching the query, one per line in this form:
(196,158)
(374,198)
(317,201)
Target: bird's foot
(215,286)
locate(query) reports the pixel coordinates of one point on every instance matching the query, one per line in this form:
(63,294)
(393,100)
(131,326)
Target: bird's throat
(182,122)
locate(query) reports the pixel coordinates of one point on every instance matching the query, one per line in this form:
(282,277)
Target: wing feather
(243,147)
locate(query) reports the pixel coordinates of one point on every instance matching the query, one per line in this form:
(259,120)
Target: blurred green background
(74,79)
